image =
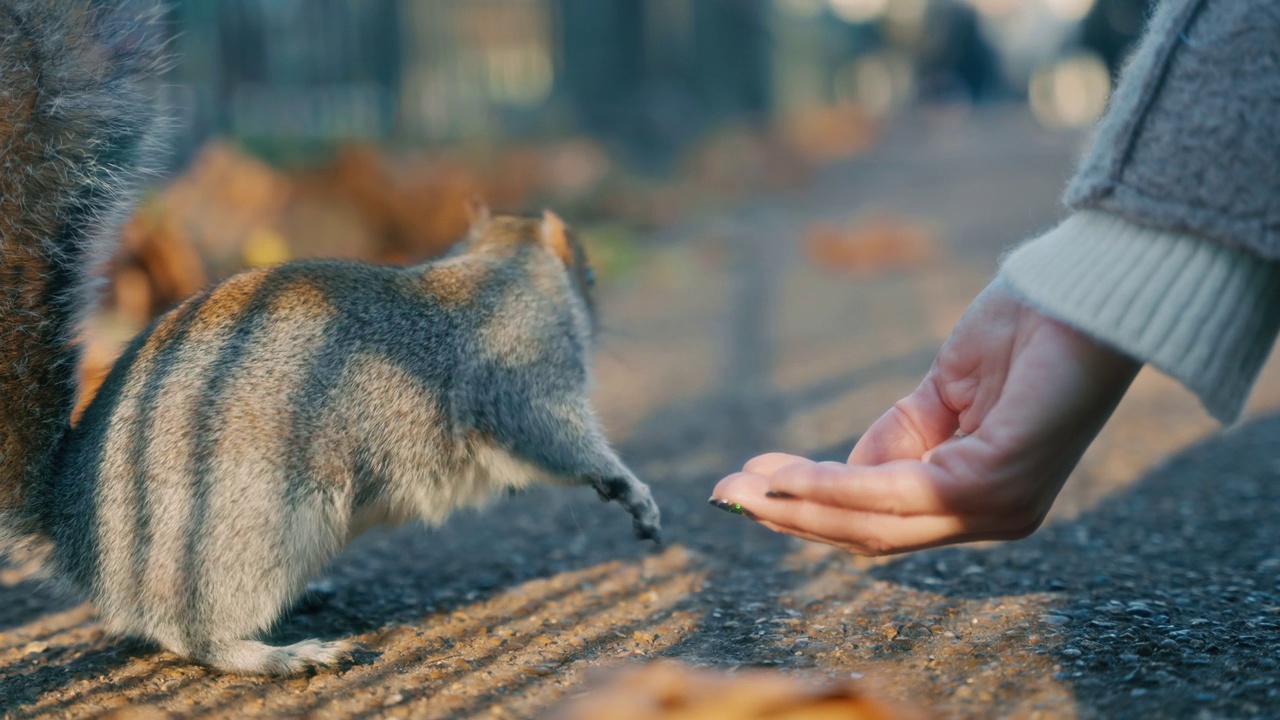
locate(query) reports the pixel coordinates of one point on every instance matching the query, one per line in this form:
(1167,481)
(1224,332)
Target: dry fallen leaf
(873,246)
(668,690)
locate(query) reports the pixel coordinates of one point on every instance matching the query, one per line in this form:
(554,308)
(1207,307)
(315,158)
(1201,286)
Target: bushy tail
(78,123)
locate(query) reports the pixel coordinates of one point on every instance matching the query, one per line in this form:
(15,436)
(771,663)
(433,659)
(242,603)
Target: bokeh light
(801,8)
(1070,93)
(881,83)
(1070,9)
(856,11)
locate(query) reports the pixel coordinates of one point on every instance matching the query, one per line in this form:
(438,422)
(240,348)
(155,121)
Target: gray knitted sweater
(1172,252)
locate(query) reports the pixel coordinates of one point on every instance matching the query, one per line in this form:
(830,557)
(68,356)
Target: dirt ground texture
(1153,591)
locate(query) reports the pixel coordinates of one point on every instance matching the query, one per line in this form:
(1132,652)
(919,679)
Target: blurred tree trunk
(1112,27)
(198,70)
(651,76)
(603,68)
(731,58)
(384,48)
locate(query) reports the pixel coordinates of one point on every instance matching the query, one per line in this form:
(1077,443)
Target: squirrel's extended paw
(636,498)
(646,519)
(649,532)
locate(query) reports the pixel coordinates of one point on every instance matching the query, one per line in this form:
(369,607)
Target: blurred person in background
(1170,256)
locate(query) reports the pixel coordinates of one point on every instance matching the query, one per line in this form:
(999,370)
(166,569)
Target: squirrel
(250,433)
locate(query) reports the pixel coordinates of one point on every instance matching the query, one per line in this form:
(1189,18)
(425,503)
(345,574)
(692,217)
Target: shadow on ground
(1166,595)
(58,659)
(1162,600)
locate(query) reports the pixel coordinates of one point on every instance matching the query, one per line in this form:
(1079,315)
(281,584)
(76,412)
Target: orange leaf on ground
(668,690)
(871,247)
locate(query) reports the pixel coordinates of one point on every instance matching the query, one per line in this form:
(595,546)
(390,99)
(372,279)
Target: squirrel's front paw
(646,520)
(649,531)
(636,498)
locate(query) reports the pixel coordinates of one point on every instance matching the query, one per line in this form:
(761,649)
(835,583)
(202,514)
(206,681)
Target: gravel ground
(1154,590)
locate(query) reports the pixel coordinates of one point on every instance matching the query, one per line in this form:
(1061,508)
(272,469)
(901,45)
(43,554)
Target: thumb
(912,427)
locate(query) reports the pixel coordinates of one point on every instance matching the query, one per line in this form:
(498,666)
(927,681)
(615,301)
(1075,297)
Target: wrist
(1204,313)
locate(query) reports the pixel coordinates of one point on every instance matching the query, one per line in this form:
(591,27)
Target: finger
(862,533)
(900,487)
(801,534)
(912,427)
(747,491)
(769,463)
(870,533)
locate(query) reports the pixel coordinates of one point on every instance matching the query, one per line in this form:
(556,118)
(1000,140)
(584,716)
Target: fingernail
(779,495)
(727,506)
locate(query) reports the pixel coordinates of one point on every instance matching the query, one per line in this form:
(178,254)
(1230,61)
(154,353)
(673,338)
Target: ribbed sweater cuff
(1202,312)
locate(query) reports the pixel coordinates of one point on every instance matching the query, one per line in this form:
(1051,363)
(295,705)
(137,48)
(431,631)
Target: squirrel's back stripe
(147,408)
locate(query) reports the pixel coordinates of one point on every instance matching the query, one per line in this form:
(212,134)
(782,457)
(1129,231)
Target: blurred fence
(414,70)
(327,70)
(646,75)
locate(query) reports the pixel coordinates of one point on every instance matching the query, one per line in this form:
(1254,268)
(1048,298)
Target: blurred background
(789,203)
(647,78)
(356,128)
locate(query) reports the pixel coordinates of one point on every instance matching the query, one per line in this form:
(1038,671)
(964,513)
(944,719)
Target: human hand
(978,451)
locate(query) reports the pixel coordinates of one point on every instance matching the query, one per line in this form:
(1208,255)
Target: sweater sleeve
(1190,142)
(1203,312)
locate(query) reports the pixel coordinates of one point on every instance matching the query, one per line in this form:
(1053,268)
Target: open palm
(978,451)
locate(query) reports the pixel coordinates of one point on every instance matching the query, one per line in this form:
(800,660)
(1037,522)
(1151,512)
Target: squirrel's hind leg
(250,657)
